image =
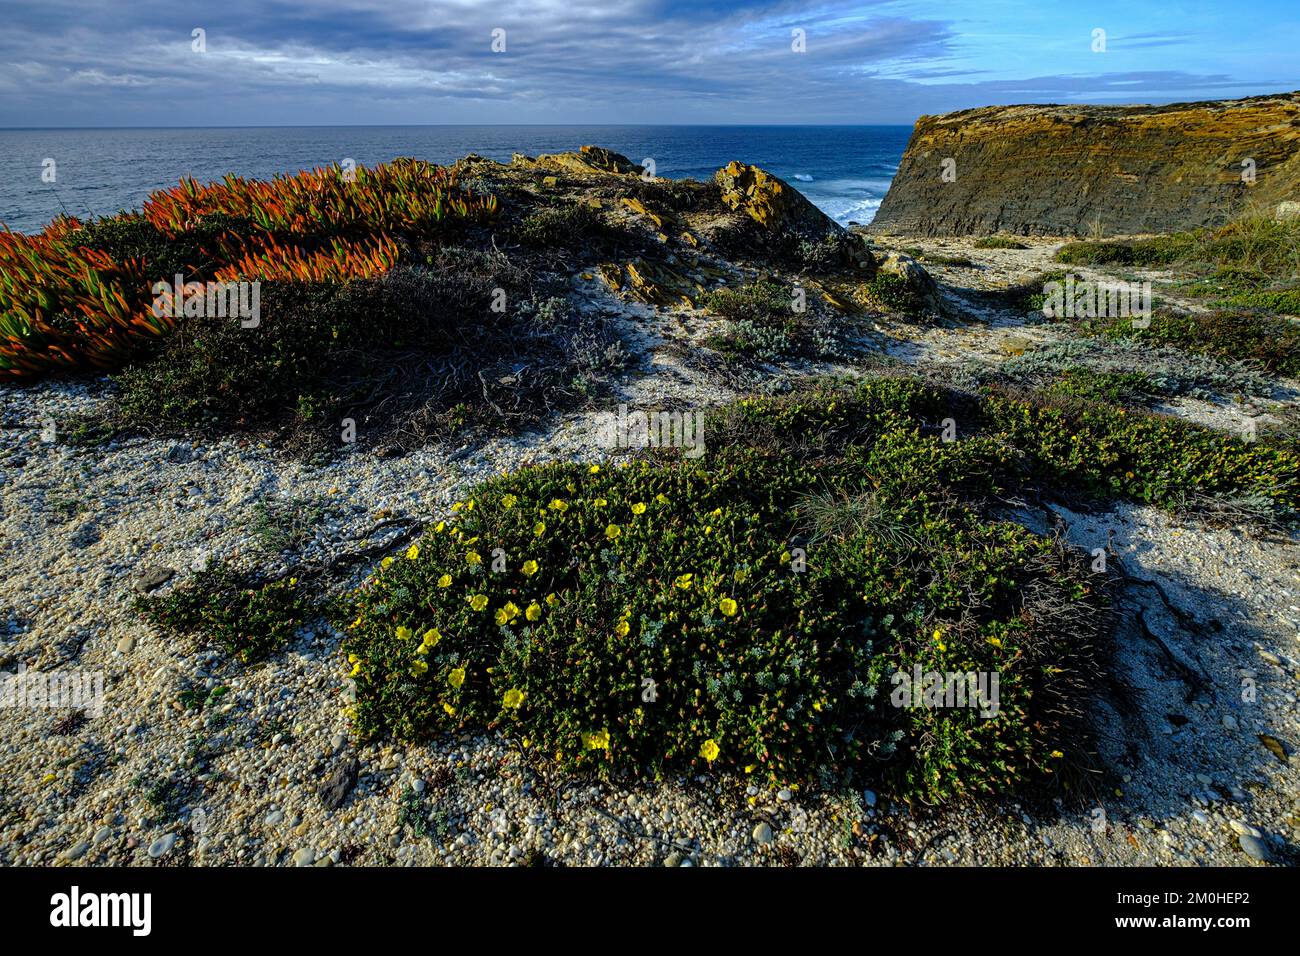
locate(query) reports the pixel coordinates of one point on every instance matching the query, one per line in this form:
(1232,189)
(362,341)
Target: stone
(126,645)
(304,857)
(763,833)
(77,852)
(274,817)
(334,791)
(162,846)
(154,578)
(869,798)
(772,202)
(1254,848)
(785,796)
(674,859)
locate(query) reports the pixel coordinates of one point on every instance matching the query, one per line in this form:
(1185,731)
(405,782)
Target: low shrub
(1130,370)
(998,241)
(248,617)
(1272,344)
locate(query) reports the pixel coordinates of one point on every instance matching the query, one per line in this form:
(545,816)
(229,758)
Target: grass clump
(1255,243)
(998,241)
(248,617)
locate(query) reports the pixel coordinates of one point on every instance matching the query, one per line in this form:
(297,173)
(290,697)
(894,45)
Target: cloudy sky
(325,62)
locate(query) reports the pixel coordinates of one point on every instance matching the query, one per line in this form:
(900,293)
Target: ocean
(844,170)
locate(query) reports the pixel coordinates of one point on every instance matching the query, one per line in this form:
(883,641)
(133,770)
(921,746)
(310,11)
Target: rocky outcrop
(587,160)
(1077,170)
(771,202)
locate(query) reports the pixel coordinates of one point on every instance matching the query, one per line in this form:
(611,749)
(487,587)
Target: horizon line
(16,129)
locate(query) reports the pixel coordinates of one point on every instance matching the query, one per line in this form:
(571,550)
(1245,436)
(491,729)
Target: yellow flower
(622,628)
(558,505)
(418,667)
(728,607)
(507,613)
(684,581)
(440,526)
(938,639)
(600,502)
(444,581)
(539,529)
(387,562)
(613,531)
(456,677)
(638,508)
(478,602)
(996,642)
(534,611)
(356,669)
(412,552)
(451,711)
(741,575)
(1057,754)
(710,750)
(473,557)
(514,697)
(431,637)
(553,599)
(661,499)
(509,500)
(530,568)
(597,741)
(458,506)
(594,470)
(403,633)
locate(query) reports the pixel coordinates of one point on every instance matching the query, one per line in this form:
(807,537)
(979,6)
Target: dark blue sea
(845,170)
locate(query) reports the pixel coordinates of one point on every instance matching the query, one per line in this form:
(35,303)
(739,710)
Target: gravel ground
(1204,773)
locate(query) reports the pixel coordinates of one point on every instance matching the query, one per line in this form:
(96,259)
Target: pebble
(304,857)
(785,796)
(126,645)
(1254,848)
(102,834)
(78,851)
(869,797)
(162,846)
(762,833)
(274,817)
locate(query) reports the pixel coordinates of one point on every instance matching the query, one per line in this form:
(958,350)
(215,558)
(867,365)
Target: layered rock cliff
(1074,170)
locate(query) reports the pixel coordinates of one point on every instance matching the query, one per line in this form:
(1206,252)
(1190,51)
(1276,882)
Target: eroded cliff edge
(1075,170)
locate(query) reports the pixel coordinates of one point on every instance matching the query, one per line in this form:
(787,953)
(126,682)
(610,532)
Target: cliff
(1069,170)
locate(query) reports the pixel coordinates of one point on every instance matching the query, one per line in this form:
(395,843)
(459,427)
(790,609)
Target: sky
(72,63)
